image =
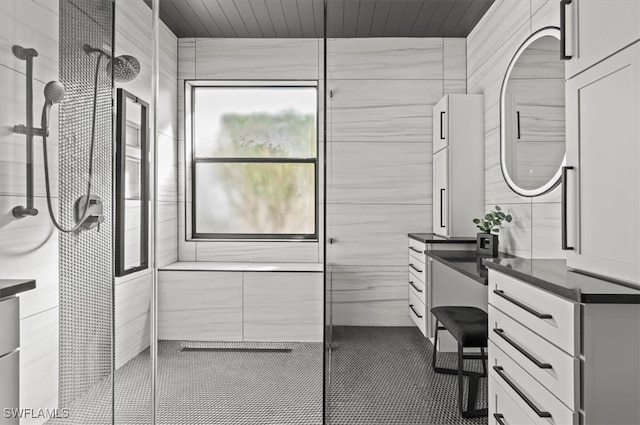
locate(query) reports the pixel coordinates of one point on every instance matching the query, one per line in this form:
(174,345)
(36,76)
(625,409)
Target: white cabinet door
(440,192)
(597,29)
(440,124)
(603,188)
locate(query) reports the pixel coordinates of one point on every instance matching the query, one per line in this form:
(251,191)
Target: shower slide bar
(27,55)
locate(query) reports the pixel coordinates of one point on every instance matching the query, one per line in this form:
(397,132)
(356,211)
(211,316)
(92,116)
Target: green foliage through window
(259,179)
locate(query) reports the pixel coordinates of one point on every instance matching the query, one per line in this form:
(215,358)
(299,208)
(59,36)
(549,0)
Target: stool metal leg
(474,377)
(461,381)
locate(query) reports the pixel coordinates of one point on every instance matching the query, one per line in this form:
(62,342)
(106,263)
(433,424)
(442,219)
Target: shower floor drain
(238,349)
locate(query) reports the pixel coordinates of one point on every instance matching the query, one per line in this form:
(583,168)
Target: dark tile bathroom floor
(378,376)
(383,376)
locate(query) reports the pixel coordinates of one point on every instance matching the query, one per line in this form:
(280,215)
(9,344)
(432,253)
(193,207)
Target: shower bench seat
(241,301)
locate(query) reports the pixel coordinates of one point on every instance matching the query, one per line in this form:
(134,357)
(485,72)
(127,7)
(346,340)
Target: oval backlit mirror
(532,117)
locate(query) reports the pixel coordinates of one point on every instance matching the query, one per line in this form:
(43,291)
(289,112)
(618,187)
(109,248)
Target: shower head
(125,68)
(53,92)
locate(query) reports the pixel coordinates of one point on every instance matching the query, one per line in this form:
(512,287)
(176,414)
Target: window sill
(215,266)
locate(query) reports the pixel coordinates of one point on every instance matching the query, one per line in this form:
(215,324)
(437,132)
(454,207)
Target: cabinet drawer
(503,410)
(553,368)
(526,392)
(546,314)
(416,249)
(418,287)
(10,386)
(9,325)
(418,269)
(416,311)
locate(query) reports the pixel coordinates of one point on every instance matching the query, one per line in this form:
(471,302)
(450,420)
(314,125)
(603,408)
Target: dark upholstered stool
(469,326)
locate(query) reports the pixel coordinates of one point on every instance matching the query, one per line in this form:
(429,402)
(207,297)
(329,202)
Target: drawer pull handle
(499,418)
(442,208)
(414,268)
(511,342)
(522,395)
(414,286)
(563,30)
(522,306)
(415,250)
(414,311)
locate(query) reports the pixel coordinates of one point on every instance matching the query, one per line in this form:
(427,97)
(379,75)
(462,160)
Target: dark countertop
(554,276)
(469,263)
(10,287)
(433,238)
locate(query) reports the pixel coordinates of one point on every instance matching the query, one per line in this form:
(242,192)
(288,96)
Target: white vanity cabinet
(458,164)
(596,29)
(420,275)
(601,202)
(418,285)
(555,360)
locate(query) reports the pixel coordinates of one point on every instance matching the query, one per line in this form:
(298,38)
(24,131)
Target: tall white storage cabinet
(601,202)
(596,29)
(458,164)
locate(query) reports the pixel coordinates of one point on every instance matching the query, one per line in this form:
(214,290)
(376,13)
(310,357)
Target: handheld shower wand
(53,93)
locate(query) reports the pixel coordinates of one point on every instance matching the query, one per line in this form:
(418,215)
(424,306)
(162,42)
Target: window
(254,160)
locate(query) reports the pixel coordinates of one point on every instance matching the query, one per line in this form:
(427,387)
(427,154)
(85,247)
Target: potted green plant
(489,225)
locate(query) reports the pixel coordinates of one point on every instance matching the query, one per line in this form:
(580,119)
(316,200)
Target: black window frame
(193,85)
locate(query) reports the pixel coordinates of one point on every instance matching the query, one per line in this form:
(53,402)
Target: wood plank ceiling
(304,18)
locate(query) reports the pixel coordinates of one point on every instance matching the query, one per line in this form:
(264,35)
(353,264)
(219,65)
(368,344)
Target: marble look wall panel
(547,14)
(455,86)
(283,306)
(29,250)
(546,238)
(133,20)
(515,237)
(455,58)
(383,110)
(200,306)
(167,169)
(13,174)
(167,233)
(186,249)
(388,173)
(385,58)
(256,59)
(39,340)
(167,105)
(374,234)
(369,296)
(186,58)
(498,25)
(168,50)
(294,252)
(33,25)
(537,4)
(132,317)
